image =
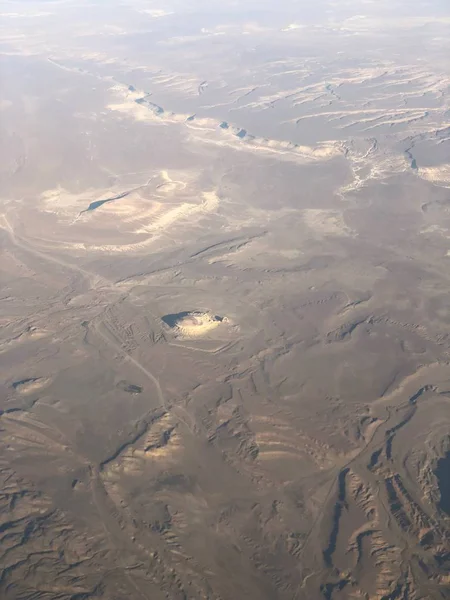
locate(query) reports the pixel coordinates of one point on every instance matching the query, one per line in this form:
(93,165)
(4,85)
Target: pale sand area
(197,324)
(128,220)
(70,206)
(32,385)
(326,222)
(439,175)
(209,131)
(170,185)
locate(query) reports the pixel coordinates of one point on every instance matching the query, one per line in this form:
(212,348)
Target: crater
(192,323)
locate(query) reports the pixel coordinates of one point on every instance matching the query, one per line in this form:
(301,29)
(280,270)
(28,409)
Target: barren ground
(225,303)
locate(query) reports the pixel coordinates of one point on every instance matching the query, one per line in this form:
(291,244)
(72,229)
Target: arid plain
(225,312)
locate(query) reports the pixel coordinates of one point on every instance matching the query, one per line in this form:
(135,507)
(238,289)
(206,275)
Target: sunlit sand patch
(284,150)
(65,204)
(141,113)
(439,175)
(271,441)
(27,386)
(73,208)
(130,210)
(141,220)
(436,229)
(137,104)
(371,165)
(223,136)
(293,27)
(132,104)
(33,333)
(30,335)
(206,124)
(169,185)
(177,81)
(162,442)
(183,211)
(297,94)
(197,327)
(193,324)
(327,222)
(156,447)
(153,219)
(131,108)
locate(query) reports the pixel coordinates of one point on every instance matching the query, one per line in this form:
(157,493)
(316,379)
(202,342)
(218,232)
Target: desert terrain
(225,308)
